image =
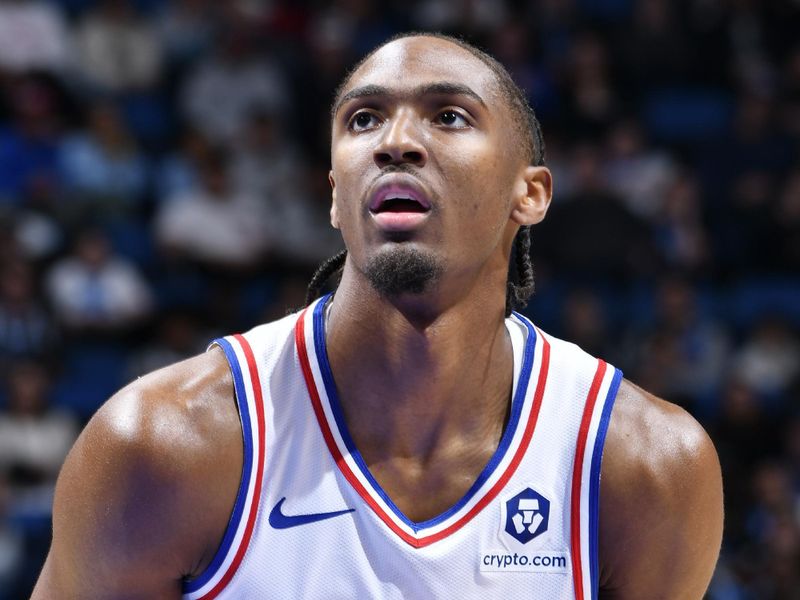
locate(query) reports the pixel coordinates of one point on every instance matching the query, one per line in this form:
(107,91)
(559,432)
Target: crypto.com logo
(527,515)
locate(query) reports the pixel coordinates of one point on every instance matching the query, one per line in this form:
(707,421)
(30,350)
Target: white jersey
(310,521)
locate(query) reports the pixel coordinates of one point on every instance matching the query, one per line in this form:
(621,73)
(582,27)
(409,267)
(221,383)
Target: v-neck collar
(313,356)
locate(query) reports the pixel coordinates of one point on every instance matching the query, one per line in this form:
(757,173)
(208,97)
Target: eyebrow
(441,88)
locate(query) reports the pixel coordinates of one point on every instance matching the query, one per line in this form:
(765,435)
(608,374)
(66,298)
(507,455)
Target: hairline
(507,89)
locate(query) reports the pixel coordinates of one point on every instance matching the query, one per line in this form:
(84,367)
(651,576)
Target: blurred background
(163,180)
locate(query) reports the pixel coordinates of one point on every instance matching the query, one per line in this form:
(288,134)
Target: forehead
(410,62)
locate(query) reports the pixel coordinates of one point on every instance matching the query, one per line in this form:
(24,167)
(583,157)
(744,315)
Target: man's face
(425,160)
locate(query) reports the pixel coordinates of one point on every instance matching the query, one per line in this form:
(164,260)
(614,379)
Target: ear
(334,209)
(532,194)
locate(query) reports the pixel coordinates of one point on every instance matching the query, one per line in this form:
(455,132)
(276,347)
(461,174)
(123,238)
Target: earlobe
(334,210)
(334,214)
(532,195)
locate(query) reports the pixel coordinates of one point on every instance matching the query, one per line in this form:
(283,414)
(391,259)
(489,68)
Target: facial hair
(402,271)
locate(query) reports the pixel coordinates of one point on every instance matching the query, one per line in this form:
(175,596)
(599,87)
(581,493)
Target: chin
(401,270)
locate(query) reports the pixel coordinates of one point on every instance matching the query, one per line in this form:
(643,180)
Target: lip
(398,186)
(399,221)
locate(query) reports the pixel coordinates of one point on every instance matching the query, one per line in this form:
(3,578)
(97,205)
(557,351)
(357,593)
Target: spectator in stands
(268,166)
(33,37)
(638,172)
(588,92)
(118,49)
(775,526)
(179,171)
(178,335)
(743,431)
(586,219)
(224,88)
(26,328)
(769,360)
(754,144)
(29,142)
(265,162)
(185,29)
(103,167)
(93,290)
(214,223)
(584,322)
(686,349)
(681,233)
(34,438)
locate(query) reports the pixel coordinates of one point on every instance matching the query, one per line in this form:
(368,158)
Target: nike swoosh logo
(278,520)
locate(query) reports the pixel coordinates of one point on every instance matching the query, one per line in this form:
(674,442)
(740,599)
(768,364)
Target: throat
(423,490)
(427,462)
(425,414)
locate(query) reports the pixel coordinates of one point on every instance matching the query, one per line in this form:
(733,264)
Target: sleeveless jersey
(310,521)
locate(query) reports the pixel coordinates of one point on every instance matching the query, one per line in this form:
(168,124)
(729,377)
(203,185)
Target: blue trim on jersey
(594,481)
(516,411)
(193,585)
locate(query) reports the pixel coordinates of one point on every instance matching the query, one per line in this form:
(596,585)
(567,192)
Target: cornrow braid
(520,282)
(324,272)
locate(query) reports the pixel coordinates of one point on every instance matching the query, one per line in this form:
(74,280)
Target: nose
(401,142)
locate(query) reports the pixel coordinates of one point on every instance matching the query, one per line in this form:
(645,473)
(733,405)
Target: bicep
(661,507)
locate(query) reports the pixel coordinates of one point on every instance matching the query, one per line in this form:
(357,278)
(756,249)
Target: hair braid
(521,281)
(323,273)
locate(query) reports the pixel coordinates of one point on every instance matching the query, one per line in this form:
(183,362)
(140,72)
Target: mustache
(404,168)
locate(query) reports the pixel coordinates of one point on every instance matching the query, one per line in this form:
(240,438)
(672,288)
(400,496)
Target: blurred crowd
(163,180)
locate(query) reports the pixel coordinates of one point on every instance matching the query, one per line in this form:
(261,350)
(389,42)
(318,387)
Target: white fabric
(360,554)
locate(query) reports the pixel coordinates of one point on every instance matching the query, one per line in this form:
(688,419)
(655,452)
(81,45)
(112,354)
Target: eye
(363,121)
(452,119)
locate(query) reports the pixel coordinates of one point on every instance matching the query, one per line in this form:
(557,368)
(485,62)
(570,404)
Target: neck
(414,377)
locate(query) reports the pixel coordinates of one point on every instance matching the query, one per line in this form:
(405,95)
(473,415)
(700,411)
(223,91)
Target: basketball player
(409,436)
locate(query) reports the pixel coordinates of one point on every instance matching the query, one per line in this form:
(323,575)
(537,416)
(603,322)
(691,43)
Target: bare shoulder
(146,492)
(660,501)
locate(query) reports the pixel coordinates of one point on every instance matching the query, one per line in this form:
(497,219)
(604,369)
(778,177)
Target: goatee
(402,271)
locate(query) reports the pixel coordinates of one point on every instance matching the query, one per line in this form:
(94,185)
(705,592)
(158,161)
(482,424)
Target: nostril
(413,156)
(383,158)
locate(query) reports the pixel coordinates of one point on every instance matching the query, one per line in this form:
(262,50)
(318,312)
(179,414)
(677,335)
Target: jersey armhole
(199,587)
(594,482)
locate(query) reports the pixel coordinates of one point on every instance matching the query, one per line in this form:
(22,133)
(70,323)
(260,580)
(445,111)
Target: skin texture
(145,495)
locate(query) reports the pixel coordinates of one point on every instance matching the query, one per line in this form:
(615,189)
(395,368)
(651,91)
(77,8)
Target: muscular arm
(146,492)
(660,502)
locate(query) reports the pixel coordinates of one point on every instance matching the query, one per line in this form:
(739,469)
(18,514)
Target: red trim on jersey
(251,518)
(316,403)
(359,487)
(577,476)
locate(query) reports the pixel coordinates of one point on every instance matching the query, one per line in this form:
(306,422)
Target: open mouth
(399,198)
(399,208)
(398,205)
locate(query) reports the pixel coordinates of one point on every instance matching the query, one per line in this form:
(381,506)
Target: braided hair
(520,284)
